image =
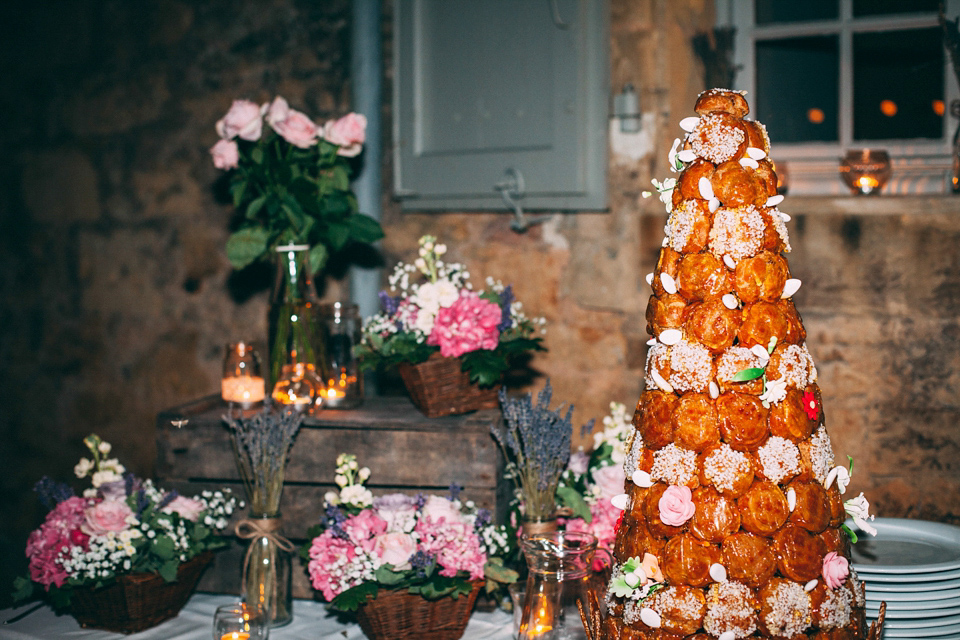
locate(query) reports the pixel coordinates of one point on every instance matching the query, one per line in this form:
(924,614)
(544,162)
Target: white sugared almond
(756,154)
(706,189)
(689,124)
(671,337)
(650,617)
(620,501)
(650,279)
(784,216)
(727,635)
(714,204)
(791,499)
(730,301)
(718,572)
(749,162)
(642,479)
(662,384)
(810,586)
(773,201)
(669,284)
(631,579)
(790,288)
(714,390)
(651,342)
(687,155)
(760,352)
(729,261)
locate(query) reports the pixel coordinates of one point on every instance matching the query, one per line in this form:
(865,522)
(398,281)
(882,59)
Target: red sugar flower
(810,405)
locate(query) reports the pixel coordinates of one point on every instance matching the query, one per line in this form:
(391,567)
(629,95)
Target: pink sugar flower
(467,325)
(836,568)
(676,505)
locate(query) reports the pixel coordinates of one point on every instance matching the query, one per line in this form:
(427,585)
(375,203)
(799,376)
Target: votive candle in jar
(242,381)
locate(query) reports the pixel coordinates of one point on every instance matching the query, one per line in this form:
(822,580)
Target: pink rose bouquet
(431,307)
(290,178)
(430,545)
(120,525)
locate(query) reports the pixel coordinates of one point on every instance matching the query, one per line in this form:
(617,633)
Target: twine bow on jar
(254,529)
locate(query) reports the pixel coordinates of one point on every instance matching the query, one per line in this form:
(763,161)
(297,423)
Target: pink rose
(293,126)
(242,120)
(395,548)
(187,508)
(349,133)
(835,569)
(226,155)
(437,508)
(676,505)
(609,480)
(106,516)
(467,325)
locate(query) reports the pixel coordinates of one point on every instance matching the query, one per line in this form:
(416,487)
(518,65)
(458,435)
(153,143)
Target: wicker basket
(137,601)
(439,388)
(398,615)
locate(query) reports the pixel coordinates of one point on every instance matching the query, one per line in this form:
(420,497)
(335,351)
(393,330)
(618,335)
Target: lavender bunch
(261,444)
(536,444)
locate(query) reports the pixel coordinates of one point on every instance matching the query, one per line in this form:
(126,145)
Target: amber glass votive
(242,381)
(865,171)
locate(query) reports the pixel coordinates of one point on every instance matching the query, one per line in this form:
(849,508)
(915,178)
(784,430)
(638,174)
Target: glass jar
(242,381)
(268,568)
(558,578)
(340,328)
(240,621)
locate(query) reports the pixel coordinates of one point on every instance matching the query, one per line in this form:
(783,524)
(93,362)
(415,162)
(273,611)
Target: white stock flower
(83,467)
(331,497)
(104,448)
(104,477)
(357,495)
(425,322)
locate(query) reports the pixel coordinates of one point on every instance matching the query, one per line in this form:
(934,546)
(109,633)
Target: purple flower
(506,299)
(51,492)
(484,517)
(422,562)
(390,303)
(455,490)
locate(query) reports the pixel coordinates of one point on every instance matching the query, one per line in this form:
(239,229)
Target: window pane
(797,88)
(898,84)
(771,11)
(884,7)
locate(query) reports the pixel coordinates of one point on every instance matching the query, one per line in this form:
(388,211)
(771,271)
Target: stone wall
(118,298)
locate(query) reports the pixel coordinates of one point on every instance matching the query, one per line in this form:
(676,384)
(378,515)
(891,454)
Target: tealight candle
(242,389)
(242,382)
(235,635)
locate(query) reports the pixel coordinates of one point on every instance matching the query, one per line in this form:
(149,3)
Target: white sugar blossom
(859,509)
(841,475)
(775,391)
(675,164)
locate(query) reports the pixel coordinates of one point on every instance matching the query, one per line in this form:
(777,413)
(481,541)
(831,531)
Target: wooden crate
(405,451)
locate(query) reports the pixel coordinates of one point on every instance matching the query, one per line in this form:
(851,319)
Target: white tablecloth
(311,621)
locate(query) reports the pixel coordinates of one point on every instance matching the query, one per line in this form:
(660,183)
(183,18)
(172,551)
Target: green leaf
(484,367)
(257,155)
(22,589)
(351,599)
(338,234)
(751,373)
(317,258)
(163,547)
(168,570)
(254,207)
(363,228)
(340,179)
(494,570)
(246,245)
(386,576)
(238,189)
(569,497)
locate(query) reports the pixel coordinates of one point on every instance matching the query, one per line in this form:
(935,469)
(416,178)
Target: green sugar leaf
(751,373)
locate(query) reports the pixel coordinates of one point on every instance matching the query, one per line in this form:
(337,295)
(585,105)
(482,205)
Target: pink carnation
(468,324)
(293,126)
(455,545)
(328,553)
(349,133)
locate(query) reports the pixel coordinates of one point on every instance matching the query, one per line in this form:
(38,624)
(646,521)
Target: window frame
(919,166)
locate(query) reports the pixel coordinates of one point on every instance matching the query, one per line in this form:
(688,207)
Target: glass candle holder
(240,621)
(865,171)
(299,387)
(242,381)
(340,329)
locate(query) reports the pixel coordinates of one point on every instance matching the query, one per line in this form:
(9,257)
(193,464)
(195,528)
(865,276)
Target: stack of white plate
(913,566)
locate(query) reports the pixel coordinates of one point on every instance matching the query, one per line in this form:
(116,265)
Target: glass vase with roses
(428,546)
(431,307)
(121,525)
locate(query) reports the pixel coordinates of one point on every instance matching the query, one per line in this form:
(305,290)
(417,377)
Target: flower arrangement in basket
(126,555)
(409,566)
(451,344)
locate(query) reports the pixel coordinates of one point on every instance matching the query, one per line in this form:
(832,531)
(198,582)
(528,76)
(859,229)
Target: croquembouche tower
(732,524)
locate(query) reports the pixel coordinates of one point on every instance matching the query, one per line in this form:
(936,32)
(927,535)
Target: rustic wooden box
(405,451)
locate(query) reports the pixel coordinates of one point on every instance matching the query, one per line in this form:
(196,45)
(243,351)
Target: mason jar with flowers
(290,180)
(450,343)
